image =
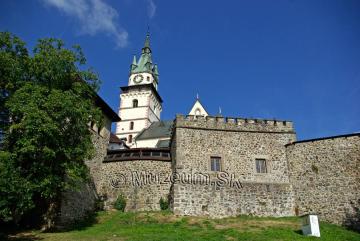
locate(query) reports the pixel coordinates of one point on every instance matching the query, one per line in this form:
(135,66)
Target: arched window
(131,125)
(135,103)
(148,79)
(197,111)
(130,139)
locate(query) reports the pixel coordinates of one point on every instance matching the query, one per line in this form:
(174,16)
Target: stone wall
(238,142)
(316,176)
(82,200)
(142,182)
(325,175)
(258,199)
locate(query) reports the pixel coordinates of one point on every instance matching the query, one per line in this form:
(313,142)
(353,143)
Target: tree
(47,138)
(13,62)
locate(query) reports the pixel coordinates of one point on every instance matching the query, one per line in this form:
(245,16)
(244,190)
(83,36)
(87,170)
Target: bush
(164,204)
(120,203)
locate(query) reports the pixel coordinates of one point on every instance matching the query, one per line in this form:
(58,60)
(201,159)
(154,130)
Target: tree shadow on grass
(10,231)
(78,225)
(28,235)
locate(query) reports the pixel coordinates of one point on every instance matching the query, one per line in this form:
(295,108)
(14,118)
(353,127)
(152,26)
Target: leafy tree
(49,101)
(13,62)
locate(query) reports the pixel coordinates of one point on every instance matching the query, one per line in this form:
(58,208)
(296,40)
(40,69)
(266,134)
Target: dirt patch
(24,236)
(157,217)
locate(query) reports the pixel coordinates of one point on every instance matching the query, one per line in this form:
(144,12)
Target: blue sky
(296,60)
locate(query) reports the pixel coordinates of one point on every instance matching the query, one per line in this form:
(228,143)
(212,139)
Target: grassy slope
(165,226)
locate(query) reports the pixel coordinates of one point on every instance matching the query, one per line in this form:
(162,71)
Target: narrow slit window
(131,125)
(215,163)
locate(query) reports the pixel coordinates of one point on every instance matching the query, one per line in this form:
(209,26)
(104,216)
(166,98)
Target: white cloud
(151,8)
(94,16)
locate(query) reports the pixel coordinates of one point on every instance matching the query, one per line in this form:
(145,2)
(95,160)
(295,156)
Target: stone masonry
(319,176)
(325,175)
(142,182)
(78,202)
(238,142)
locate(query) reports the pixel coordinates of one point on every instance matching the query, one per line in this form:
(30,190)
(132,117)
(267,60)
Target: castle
(217,166)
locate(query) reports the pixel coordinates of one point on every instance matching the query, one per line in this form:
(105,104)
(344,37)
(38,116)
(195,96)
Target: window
(197,111)
(131,125)
(260,166)
(148,78)
(135,103)
(130,139)
(155,153)
(215,163)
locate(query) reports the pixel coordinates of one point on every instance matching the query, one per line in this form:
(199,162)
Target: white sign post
(310,225)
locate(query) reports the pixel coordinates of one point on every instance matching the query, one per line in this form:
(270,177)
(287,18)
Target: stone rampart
(325,175)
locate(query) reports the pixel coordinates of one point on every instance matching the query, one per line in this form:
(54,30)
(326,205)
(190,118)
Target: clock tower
(140,102)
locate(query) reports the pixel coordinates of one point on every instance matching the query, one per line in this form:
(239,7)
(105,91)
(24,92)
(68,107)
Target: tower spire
(146,48)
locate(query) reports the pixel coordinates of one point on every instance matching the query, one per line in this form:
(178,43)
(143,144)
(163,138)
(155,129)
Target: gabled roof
(99,102)
(106,109)
(159,129)
(114,138)
(117,141)
(198,107)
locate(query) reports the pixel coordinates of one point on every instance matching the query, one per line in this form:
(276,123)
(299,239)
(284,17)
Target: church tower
(140,102)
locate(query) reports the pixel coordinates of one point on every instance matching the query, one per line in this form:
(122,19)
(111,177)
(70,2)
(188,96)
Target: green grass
(165,226)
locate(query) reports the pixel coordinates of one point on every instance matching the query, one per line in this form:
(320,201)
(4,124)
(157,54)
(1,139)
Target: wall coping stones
(233,124)
(324,138)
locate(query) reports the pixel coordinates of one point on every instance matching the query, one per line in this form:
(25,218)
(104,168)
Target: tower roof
(147,44)
(145,63)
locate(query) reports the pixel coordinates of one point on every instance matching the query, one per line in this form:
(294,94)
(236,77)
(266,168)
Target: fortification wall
(325,175)
(83,199)
(258,199)
(235,124)
(142,182)
(238,143)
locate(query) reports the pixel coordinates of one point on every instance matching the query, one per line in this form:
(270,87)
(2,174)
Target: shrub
(164,204)
(120,203)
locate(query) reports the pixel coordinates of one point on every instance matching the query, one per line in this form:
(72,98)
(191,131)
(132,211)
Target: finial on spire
(219,110)
(197,96)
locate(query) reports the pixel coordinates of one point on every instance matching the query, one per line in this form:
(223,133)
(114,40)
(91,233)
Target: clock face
(138,78)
